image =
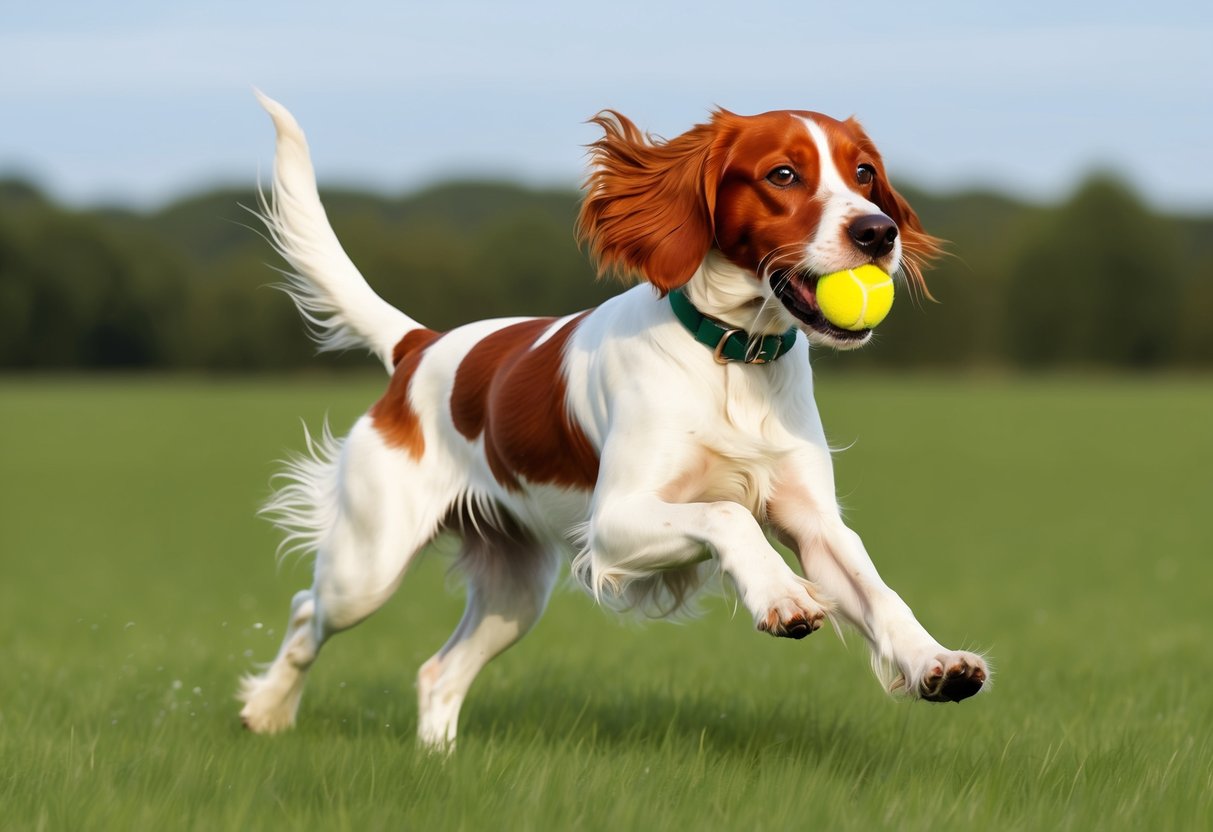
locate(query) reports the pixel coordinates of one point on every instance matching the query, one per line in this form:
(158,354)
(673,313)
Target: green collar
(728,343)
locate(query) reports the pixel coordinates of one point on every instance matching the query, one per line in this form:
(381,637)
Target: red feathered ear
(918,248)
(649,204)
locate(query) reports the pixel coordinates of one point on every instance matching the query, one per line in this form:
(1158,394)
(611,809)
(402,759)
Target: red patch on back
(393,415)
(515,397)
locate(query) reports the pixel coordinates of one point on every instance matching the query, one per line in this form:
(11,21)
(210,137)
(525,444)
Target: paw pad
(960,680)
(797,626)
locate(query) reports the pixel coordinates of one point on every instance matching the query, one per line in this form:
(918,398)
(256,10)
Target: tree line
(1098,280)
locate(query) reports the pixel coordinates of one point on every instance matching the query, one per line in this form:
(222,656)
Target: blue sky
(138,101)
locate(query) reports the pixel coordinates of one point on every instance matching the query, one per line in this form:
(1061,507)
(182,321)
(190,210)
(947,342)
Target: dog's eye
(865,174)
(782,176)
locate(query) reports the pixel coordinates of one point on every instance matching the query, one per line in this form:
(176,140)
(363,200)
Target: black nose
(873,234)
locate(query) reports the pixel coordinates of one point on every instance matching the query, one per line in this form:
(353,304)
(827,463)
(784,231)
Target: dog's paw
(953,676)
(794,615)
(266,709)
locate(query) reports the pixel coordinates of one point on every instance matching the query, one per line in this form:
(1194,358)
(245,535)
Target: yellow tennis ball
(855,299)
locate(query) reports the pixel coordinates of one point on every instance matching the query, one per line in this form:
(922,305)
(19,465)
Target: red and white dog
(653,454)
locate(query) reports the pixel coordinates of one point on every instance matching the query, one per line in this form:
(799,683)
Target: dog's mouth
(797,291)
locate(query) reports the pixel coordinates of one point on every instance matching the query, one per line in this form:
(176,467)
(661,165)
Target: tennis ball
(855,299)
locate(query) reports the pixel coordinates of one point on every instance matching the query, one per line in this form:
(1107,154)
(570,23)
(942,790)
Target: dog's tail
(339,307)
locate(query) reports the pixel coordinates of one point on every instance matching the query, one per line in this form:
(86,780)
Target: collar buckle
(718,353)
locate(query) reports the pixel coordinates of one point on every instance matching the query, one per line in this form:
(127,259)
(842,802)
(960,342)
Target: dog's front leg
(805,515)
(636,536)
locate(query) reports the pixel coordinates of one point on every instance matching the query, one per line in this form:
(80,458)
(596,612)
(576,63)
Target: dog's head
(783,198)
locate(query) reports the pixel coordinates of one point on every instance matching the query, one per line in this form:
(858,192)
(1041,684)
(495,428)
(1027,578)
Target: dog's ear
(918,248)
(649,204)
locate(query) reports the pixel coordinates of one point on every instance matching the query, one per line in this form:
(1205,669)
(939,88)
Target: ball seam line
(863,293)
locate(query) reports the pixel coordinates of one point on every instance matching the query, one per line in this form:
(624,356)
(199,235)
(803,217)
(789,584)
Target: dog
(657,439)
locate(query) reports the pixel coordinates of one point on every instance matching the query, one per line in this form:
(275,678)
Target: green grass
(1063,525)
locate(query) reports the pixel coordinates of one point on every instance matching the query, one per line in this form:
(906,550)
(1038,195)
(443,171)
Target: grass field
(1063,525)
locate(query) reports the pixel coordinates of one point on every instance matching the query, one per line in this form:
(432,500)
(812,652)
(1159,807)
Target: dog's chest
(734,459)
(713,474)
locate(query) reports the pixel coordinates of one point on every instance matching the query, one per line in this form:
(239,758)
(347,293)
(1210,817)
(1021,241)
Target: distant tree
(1095,283)
(1099,280)
(1196,278)
(80,297)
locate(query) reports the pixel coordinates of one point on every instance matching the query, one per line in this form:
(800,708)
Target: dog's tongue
(804,291)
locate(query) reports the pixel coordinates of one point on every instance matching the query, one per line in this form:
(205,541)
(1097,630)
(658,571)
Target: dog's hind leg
(368,508)
(509,581)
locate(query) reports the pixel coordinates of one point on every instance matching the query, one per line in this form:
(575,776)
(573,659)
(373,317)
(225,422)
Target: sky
(136,102)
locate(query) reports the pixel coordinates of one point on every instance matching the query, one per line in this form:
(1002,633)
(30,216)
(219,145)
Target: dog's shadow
(549,711)
(615,715)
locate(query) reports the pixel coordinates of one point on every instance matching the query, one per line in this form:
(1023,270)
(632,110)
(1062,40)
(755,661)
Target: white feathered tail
(333,297)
